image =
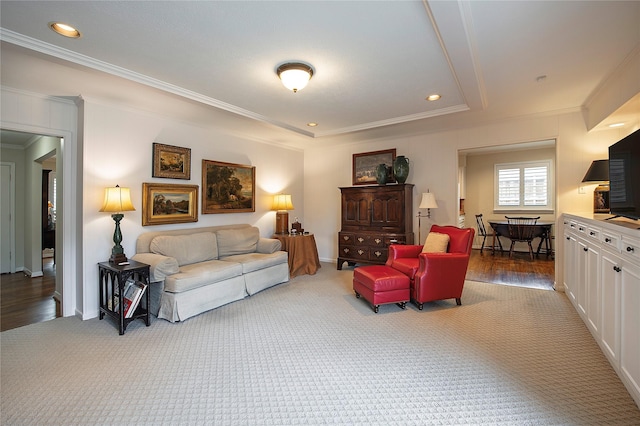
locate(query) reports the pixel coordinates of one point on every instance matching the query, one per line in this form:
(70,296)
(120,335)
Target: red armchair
(435,276)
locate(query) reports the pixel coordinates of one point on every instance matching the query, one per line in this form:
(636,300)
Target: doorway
(26,209)
(477,170)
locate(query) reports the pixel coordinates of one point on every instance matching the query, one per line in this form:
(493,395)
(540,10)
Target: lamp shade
(428,201)
(117,200)
(598,172)
(295,76)
(282,202)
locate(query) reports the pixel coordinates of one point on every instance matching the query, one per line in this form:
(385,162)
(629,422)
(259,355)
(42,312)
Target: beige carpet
(308,352)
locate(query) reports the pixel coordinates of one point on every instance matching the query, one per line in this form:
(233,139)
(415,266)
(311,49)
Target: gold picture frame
(365,164)
(164,203)
(228,187)
(170,161)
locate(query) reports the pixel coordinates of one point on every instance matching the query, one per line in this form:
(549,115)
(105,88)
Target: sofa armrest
(268,245)
(397,251)
(160,266)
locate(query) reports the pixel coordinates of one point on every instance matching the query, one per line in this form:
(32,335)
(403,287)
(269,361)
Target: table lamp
(428,202)
(117,200)
(599,172)
(282,203)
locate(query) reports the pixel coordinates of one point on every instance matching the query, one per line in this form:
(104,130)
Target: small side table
(303,253)
(112,280)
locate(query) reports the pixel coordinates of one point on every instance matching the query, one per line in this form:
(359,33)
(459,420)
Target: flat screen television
(624,177)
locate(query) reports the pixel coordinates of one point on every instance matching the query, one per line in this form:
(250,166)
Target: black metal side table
(112,280)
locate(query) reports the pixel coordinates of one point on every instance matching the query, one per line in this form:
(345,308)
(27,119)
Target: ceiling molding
(396,120)
(77,58)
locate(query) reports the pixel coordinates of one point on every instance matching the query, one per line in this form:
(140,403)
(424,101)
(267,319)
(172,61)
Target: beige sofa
(197,269)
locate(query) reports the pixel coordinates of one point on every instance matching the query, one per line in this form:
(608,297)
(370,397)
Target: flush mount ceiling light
(64,29)
(295,75)
(433,97)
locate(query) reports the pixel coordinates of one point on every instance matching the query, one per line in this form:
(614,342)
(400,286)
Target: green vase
(381,174)
(401,168)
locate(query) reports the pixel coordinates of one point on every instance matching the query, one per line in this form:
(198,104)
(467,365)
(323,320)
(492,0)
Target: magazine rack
(112,281)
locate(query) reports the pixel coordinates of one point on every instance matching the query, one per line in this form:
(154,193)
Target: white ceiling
(375,61)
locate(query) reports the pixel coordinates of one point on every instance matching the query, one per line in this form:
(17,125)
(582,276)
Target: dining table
(542,230)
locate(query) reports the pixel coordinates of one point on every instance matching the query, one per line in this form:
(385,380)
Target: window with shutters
(525,186)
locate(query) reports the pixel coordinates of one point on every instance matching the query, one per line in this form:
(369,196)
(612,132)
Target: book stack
(133,291)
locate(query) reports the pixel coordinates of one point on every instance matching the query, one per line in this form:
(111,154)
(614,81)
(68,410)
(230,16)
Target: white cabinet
(602,281)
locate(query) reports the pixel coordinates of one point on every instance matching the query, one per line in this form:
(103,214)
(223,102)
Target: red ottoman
(380,284)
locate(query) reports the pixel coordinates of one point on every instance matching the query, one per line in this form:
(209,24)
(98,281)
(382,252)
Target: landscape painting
(167,203)
(171,161)
(227,187)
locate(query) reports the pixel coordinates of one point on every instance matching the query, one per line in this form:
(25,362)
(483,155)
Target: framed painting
(227,187)
(365,164)
(168,203)
(172,162)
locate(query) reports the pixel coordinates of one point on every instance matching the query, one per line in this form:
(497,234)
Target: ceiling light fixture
(64,29)
(433,97)
(616,125)
(295,75)
(312,124)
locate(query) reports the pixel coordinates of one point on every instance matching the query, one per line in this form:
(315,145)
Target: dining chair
(521,229)
(482,231)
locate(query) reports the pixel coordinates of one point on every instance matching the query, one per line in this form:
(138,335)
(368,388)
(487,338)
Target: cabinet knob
(585,249)
(607,240)
(617,268)
(360,252)
(630,249)
(568,238)
(592,233)
(360,239)
(346,250)
(581,228)
(377,253)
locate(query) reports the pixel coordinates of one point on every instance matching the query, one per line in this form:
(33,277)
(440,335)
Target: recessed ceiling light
(541,78)
(616,125)
(312,124)
(433,97)
(64,29)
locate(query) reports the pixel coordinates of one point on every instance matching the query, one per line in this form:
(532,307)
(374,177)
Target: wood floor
(25,300)
(520,270)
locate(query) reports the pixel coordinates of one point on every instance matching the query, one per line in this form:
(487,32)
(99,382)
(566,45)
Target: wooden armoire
(373,217)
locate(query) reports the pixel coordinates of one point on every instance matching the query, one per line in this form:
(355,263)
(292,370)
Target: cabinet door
(581,279)
(570,267)
(593,289)
(387,209)
(355,208)
(610,328)
(630,325)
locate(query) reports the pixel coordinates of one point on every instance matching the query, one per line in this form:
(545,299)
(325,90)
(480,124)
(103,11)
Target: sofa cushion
(256,261)
(237,241)
(436,243)
(160,266)
(186,249)
(200,274)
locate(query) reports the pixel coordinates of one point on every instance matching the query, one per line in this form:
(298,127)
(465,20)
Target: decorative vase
(381,174)
(401,168)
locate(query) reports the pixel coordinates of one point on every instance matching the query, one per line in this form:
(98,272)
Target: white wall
(118,150)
